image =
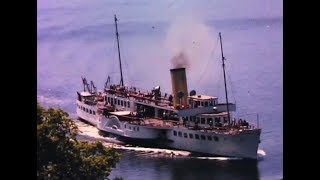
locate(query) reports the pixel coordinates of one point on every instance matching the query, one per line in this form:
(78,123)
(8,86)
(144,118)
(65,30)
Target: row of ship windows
(201,103)
(134,128)
(203,120)
(196,136)
(118,102)
(86,110)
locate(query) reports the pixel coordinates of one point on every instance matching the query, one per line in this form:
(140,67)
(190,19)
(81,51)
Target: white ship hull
(114,126)
(83,112)
(125,129)
(244,144)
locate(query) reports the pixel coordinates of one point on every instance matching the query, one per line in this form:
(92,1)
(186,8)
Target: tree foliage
(61,156)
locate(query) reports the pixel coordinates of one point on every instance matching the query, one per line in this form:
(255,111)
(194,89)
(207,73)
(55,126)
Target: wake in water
(91,133)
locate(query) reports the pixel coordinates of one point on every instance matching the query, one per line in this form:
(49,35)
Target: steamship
(180,120)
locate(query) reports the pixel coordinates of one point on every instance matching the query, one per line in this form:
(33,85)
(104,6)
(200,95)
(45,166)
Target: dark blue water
(77,39)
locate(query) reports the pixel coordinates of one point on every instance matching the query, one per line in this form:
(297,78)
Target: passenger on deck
(245,123)
(211,124)
(172,154)
(184,121)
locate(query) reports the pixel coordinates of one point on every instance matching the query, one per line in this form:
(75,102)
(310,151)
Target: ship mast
(117,34)
(224,77)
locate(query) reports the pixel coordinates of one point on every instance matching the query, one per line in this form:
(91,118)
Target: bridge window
(129,127)
(108,99)
(134,128)
(224,119)
(203,121)
(191,136)
(185,135)
(137,128)
(87,110)
(90,111)
(206,103)
(216,138)
(118,101)
(197,136)
(198,103)
(125,126)
(175,133)
(128,104)
(203,137)
(209,138)
(125,103)
(94,113)
(180,134)
(121,103)
(217,120)
(210,103)
(201,103)
(208,120)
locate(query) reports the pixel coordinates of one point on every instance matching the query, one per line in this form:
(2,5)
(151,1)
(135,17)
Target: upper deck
(165,101)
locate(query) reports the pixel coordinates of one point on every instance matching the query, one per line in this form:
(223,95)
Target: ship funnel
(179,87)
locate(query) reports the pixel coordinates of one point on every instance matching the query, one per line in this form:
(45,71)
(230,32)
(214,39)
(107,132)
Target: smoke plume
(189,42)
(180,61)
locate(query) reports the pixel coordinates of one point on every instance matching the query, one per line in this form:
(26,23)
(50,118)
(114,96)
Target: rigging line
(212,53)
(162,11)
(155,14)
(172,3)
(130,79)
(114,54)
(112,58)
(247,114)
(232,88)
(219,81)
(124,59)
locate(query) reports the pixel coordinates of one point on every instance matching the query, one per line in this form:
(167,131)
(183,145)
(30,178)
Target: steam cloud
(189,43)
